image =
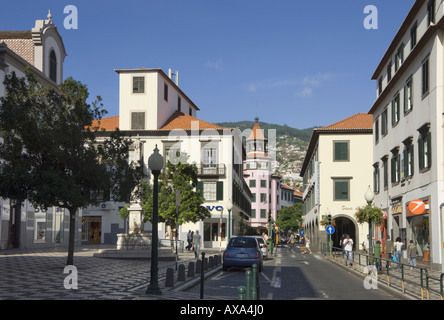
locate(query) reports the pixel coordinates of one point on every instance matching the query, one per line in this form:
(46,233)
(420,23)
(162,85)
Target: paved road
(291,275)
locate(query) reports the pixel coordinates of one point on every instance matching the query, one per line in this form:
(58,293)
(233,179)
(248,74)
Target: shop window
(40,225)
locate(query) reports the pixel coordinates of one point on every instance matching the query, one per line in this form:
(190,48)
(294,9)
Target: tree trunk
(72,232)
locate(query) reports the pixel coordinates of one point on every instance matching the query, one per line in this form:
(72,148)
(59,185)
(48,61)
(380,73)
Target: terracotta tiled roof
(178,120)
(20,42)
(16,34)
(183,121)
(106,124)
(256,133)
(357,121)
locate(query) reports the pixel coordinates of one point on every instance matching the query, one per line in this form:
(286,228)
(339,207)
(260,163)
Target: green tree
(290,218)
(49,152)
(183,177)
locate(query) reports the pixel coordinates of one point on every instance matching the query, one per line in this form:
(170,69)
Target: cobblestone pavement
(39,275)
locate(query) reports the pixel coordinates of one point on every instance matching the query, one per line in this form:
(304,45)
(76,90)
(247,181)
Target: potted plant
(369,213)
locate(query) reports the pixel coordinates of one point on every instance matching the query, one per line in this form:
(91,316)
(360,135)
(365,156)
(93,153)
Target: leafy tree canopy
(49,151)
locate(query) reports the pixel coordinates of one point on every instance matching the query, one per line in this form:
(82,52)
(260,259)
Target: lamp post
(229,207)
(369,196)
(155,163)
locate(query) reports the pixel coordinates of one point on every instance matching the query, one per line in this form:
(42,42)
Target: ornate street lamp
(155,163)
(369,196)
(229,207)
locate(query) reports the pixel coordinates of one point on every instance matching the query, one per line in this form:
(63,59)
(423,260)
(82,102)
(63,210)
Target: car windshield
(243,243)
(260,240)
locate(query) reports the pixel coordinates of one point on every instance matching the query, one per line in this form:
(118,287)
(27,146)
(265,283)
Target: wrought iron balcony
(211,170)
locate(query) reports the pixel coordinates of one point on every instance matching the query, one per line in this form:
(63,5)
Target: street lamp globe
(155,161)
(369,195)
(229,205)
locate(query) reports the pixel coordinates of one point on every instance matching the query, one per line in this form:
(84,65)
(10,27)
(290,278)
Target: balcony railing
(214,170)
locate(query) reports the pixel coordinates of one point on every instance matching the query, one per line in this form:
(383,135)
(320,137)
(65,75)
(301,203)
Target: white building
(337,172)
(408,130)
(153,110)
(42,50)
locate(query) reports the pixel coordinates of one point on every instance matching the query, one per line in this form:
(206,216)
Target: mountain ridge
(291,147)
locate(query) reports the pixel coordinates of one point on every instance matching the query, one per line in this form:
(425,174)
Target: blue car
(242,252)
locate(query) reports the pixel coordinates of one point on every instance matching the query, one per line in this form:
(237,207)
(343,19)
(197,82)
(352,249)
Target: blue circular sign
(302,233)
(330,229)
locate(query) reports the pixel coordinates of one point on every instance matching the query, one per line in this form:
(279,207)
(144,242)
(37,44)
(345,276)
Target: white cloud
(215,64)
(252,88)
(304,86)
(305,93)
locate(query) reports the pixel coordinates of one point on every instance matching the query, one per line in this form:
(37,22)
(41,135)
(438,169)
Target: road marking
(277,283)
(270,296)
(306,262)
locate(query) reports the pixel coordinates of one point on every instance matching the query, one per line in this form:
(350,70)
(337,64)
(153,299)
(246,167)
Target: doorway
(92,229)
(344,225)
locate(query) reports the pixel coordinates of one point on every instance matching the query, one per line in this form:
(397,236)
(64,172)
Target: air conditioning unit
(105,206)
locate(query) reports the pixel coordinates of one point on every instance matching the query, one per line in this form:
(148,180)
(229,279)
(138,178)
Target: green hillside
(281,130)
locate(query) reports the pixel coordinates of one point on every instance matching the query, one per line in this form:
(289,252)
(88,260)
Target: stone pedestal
(135,218)
(133,241)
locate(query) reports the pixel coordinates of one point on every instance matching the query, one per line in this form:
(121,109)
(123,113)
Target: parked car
(263,246)
(242,252)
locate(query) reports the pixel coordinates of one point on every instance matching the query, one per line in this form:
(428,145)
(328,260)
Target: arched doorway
(344,225)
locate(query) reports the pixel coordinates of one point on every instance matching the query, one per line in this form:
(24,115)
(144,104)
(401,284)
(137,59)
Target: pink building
(264,186)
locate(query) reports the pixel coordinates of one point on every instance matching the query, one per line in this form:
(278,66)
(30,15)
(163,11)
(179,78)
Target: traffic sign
(330,229)
(302,233)
(417,206)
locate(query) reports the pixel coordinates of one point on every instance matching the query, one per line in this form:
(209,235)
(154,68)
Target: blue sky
(294,62)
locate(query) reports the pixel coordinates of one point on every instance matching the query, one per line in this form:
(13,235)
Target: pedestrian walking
(377,251)
(302,243)
(388,251)
(413,253)
(291,241)
(197,242)
(341,243)
(398,250)
(365,244)
(189,240)
(307,244)
(348,247)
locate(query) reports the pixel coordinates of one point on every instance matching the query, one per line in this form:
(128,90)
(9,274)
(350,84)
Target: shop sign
(417,206)
(397,208)
(217,208)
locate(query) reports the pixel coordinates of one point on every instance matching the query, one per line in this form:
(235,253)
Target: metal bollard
(248,289)
(241,292)
(202,278)
(254,287)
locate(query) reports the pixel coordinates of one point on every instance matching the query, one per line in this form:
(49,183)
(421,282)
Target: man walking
(292,241)
(189,240)
(197,242)
(348,247)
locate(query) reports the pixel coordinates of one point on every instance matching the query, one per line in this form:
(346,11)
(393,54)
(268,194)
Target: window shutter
(429,150)
(341,190)
(220,190)
(421,153)
(341,151)
(199,188)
